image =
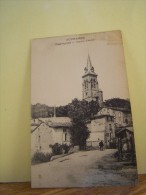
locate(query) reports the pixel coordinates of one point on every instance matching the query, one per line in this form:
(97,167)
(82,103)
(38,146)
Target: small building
(126,146)
(122,117)
(48,132)
(101,128)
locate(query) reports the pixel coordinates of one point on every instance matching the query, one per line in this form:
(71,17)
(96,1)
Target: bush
(58,149)
(40,157)
(66,148)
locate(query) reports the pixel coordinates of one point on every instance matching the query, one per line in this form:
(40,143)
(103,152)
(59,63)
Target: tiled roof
(114,108)
(130,129)
(59,122)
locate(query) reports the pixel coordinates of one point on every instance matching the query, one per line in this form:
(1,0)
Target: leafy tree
(62,111)
(79,133)
(41,110)
(79,130)
(93,108)
(117,102)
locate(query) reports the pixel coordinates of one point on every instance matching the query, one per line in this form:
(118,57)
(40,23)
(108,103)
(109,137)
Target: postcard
(81,122)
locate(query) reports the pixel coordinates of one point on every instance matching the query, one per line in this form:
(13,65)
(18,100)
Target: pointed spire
(89,67)
(89,64)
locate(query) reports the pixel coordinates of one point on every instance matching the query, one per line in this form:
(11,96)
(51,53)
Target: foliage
(117,102)
(88,109)
(62,111)
(58,149)
(41,110)
(79,134)
(82,109)
(78,112)
(40,157)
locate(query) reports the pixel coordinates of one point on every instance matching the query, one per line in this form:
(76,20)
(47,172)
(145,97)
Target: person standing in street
(101,145)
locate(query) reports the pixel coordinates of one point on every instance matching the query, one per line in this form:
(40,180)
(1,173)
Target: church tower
(90,88)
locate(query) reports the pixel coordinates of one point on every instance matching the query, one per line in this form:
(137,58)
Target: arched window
(94,83)
(126,121)
(91,83)
(87,84)
(65,136)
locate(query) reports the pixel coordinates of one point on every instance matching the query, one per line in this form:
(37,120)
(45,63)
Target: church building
(103,125)
(90,87)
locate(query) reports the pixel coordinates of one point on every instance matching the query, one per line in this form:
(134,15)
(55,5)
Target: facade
(90,88)
(101,128)
(48,132)
(126,146)
(122,117)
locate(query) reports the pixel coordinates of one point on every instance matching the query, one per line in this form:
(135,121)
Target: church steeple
(89,68)
(90,84)
(89,64)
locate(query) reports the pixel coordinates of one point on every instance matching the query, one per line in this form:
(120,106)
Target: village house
(49,131)
(101,128)
(122,117)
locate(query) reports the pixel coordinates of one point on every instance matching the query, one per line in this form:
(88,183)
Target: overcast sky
(58,64)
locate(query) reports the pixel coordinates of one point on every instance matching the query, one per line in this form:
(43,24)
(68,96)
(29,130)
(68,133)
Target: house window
(109,118)
(64,130)
(39,138)
(65,136)
(110,127)
(126,121)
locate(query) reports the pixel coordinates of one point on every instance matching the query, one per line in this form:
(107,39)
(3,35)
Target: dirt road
(82,169)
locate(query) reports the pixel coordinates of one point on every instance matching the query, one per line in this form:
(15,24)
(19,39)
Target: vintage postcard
(81,123)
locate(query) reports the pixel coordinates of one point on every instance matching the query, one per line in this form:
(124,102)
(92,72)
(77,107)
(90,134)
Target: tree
(93,107)
(117,102)
(62,111)
(79,129)
(41,110)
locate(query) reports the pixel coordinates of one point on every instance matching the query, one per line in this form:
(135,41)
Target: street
(83,169)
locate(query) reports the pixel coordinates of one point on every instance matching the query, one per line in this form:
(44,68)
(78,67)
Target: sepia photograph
(81,122)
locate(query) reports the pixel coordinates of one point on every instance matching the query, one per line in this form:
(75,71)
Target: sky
(57,67)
